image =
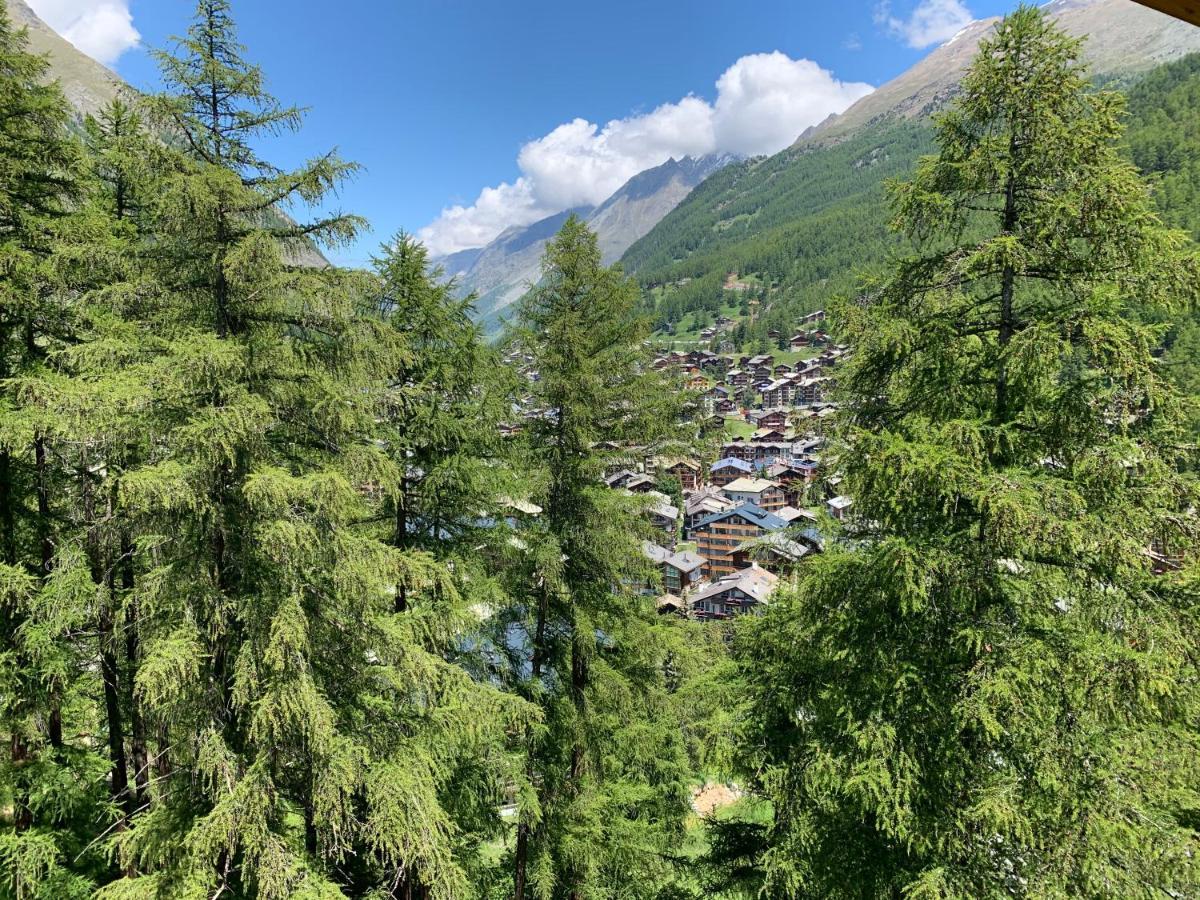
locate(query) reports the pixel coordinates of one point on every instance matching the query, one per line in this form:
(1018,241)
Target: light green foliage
(988,688)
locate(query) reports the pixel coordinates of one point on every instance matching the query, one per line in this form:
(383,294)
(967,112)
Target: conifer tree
(52,776)
(988,687)
(298,723)
(446,400)
(609,769)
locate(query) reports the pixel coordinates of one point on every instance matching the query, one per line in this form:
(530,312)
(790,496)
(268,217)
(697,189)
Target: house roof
(655,553)
(750,512)
(731,462)
(840,502)
(754,581)
(749,485)
(685,562)
(619,478)
(668,601)
(790,514)
(777,543)
(707,502)
(687,463)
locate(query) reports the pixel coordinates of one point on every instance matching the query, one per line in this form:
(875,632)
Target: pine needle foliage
(988,688)
(610,767)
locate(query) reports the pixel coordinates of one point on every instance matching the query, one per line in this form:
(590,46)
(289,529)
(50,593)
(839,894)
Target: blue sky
(437,98)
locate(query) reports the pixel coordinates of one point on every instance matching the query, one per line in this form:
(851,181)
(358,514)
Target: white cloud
(931,21)
(763,102)
(103,29)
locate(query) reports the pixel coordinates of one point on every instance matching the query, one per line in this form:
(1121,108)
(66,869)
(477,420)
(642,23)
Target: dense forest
(807,222)
(287,610)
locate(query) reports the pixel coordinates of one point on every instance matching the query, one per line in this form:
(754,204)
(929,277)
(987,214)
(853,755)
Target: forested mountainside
(806,221)
(812,220)
(1163,137)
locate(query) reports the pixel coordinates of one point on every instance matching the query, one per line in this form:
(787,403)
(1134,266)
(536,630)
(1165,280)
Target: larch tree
(290,707)
(52,776)
(988,686)
(609,768)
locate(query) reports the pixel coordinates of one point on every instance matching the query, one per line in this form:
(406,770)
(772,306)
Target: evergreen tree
(988,688)
(52,777)
(303,731)
(609,768)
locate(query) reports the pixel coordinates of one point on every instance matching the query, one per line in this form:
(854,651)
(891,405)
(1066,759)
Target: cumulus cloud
(763,102)
(103,29)
(931,22)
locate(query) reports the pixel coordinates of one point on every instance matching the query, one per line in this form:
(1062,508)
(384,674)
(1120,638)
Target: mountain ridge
(1123,38)
(507,267)
(812,218)
(87,85)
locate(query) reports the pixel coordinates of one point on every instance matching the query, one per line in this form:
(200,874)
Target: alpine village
(833,532)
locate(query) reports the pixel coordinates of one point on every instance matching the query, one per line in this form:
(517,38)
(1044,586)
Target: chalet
(682,572)
(726,405)
(703,504)
(768,418)
(782,369)
(719,536)
(838,506)
(737,594)
(696,382)
(737,378)
(818,316)
(762,493)
(793,475)
(723,471)
(779,392)
(810,391)
(685,471)
(663,515)
(763,359)
(619,479)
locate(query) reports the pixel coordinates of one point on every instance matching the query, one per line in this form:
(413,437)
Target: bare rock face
(500,273)
(87,84)
(90,86)
(1122,38)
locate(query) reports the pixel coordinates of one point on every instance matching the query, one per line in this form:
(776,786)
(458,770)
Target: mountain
(811,219)
(87,84)
(505,269)
(1123,38)
(89,87)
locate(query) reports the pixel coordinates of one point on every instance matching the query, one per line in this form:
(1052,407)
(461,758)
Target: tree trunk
(137,725)
(1007,284)
(521,853)
(54,728)
(109,665)
(401,539)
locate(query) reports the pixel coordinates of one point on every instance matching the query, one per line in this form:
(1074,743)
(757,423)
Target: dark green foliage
(609,768)
(805,220)
(995,689)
